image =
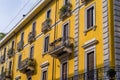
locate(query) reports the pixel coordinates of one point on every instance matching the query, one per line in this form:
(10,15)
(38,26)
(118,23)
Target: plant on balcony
(111,73)
(31,62)
(10,52)
(46,25)
(31,36)
(20,45)
(65,11)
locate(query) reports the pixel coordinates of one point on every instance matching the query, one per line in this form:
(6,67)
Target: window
(65,32)
(90,22)
(90,65)
(2,69)
(44,75)
(48,13)
(31,51)
(46,44)
(66,1)
(18,78)
(33,26)
(4,53)
(22,36)
(64,71)
(12,44)
(10,67)
(19,60)
(29,78)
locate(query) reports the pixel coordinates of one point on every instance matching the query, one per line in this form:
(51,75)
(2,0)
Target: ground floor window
(64,71)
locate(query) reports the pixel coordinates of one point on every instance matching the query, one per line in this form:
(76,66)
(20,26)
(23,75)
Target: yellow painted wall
(39,42)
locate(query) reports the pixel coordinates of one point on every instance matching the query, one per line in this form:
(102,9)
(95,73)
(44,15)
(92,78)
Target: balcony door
(90,66)
(65,32)
(64,71)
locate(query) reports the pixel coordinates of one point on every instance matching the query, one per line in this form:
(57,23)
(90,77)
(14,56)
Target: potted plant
(111,73)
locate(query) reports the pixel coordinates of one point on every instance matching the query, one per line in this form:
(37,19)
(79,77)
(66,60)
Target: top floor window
(90,17)
(12,44)
(4,52)
(66,1)
(33,26)
(22,36)
(48,14)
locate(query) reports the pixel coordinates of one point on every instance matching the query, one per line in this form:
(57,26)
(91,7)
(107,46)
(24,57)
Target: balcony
(60,47)
(27,66)
(65,11)
(46,25)
(2,59)
(98,74)
(20,46)
(31,37)
(6,75)
(10,52)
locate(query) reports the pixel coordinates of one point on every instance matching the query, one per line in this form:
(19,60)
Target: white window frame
(87,51)
(47,13)
(17,60)
(64,60)
(18,77)
(30,50)
(67,22)
(32,25)
(94,19)
(48,35)
(21,35)
(44,67)
(64,2)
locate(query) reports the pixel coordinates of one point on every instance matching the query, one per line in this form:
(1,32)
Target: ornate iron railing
(27,66)
(20,45)
(98,74)
(10,52)
(31,36)
(60,46)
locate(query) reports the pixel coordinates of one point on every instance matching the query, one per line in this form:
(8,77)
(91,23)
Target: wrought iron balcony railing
(20,45)
(27,66)
(6,75)
(31,37)
(60,47)
(46,25)
(98,74)
(10,52)
(65,11)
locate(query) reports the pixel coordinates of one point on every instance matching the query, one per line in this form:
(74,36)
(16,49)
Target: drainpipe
(54,62)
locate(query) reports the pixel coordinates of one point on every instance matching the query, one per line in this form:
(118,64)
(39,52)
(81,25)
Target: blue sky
(9,9)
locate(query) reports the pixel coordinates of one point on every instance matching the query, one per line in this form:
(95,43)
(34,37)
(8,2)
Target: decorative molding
(44,64)
(90,43)
(106,48)
(18,77)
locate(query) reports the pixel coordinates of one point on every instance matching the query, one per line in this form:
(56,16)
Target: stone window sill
(89,29)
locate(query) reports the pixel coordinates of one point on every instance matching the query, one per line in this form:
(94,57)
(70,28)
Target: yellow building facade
(64,40)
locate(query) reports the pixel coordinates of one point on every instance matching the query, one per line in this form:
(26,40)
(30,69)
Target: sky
(12,11)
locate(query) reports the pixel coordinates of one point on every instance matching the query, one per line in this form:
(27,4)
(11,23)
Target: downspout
(54,39)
